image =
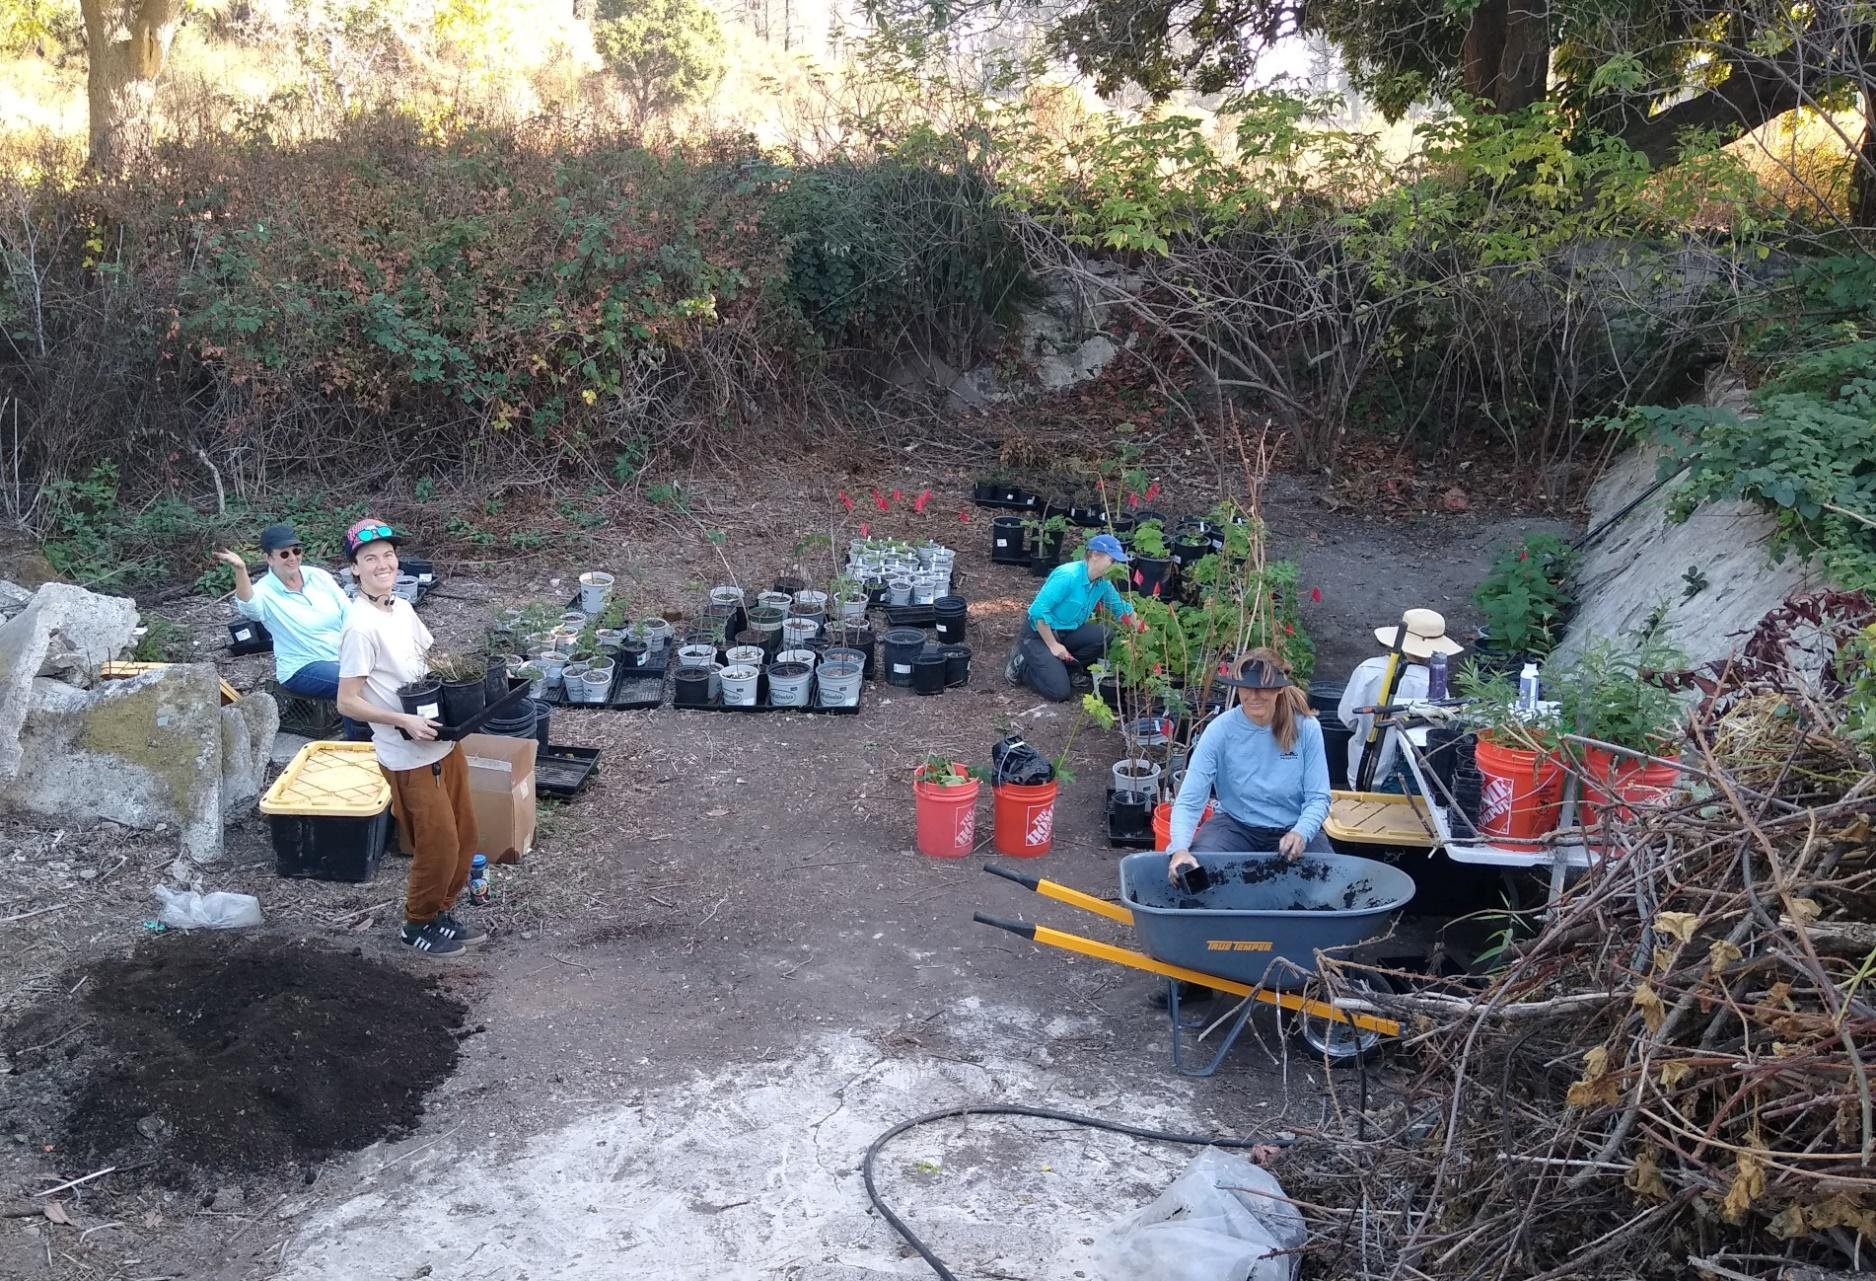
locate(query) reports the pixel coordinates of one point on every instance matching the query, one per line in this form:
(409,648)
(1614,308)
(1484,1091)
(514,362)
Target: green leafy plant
(1527,593)
(1609,694)
(1491,708)
(1149,540)
(943,770)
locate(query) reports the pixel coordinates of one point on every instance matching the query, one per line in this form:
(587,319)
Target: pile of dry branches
(1672,1078)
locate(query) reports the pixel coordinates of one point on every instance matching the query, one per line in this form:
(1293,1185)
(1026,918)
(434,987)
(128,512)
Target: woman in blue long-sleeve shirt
(1264,762)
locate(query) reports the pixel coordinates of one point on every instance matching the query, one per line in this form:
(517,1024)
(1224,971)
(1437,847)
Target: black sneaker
(1013,670)
(431,941)
(1080,681)
(463,932)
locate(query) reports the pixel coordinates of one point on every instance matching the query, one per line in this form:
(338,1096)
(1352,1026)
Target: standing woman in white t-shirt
(384,646)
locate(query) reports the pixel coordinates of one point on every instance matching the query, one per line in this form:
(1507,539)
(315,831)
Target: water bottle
(1527,690)
(479,880)
(1436,678)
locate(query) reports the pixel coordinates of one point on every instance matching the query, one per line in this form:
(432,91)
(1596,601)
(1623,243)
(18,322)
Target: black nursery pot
(692,688)
(853,636)
(1152,576)
(423,698)
(1130,815)
(1009,544)
(957,665)
(495,682)
(928,673)
(1046,554)
(463,700)
(949,615)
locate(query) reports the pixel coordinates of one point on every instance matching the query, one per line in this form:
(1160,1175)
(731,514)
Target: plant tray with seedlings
(1129,827)
(634,689)
(812,706)
(560,772)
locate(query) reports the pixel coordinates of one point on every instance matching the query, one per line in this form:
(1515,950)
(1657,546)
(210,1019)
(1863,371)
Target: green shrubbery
(395,303)
(1807,452)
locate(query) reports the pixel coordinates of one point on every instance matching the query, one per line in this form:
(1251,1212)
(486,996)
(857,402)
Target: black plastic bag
(1014,761)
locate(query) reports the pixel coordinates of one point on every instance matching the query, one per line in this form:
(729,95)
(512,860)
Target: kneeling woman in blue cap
(1060,630)
(1264,762)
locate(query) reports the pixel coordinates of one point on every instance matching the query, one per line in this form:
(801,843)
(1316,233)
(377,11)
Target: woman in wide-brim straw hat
(1420,634)
(1263,762)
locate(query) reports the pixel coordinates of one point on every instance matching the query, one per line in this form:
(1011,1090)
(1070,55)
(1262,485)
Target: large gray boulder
(63,631)
(145,752)
(248,728)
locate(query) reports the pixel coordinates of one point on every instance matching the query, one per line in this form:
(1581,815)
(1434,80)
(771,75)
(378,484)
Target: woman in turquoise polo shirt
(1060,631)
(304,607)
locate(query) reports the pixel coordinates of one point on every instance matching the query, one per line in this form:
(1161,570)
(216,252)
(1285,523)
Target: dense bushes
(394,303)
(1498,290)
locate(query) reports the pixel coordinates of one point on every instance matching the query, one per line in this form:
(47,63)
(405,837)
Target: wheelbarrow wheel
(1340,1044)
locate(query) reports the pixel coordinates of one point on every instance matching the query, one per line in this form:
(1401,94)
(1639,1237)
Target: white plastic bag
(1222,1219)
(194,910)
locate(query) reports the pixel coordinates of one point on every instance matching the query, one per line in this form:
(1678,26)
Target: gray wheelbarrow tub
(1259,909)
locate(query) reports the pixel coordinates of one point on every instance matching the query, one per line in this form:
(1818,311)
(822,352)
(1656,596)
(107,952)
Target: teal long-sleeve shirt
(1256,782)
(1068,599)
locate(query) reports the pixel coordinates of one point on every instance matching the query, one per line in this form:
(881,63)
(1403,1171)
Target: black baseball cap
(277,538)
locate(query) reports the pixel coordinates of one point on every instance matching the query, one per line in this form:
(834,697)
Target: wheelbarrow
(1253,932)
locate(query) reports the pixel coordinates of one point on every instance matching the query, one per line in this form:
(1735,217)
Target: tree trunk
(1863,169)
(1505,56)
(127,41)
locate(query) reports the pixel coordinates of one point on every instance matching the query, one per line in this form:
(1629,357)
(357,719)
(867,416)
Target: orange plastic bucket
(1519,796)
(1609,778)
(1162,822)
(946,818)
(1025,818)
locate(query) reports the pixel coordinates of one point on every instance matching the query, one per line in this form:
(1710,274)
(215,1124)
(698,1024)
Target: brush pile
(1672,1077)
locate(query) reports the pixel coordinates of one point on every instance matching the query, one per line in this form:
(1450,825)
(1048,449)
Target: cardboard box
(501,788)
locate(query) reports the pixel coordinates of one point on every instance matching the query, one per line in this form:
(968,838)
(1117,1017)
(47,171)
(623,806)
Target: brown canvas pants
(438,824)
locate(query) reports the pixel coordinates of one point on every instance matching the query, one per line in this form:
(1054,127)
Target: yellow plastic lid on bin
(330,780)
(1379,818)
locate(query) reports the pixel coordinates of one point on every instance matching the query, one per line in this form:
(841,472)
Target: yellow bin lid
(330,780)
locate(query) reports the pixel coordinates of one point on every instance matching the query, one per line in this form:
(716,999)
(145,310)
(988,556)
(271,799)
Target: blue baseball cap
(1108,545)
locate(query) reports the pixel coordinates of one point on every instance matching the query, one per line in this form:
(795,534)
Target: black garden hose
(1014,1109)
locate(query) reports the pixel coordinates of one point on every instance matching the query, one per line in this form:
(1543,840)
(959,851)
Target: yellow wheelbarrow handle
(1064,894)
(1141,961)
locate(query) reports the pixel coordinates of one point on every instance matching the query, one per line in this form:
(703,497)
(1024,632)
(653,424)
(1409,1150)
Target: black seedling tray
(1125,839)
(912,615)
(560,772)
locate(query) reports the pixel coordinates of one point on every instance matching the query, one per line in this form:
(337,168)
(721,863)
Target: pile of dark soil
(232,1055)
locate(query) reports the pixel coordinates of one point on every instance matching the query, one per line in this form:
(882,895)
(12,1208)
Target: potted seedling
(944,799)
(1610,697)
(1526,600)
(850,599)
(1152,569)
(1518,756)
(1046,535)
(463,692)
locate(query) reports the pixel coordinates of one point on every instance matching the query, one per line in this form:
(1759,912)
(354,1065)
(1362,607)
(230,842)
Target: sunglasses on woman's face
(291,551)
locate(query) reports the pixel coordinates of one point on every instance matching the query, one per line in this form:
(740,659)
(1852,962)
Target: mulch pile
(214,1055)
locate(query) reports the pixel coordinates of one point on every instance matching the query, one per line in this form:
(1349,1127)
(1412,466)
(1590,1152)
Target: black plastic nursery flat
(560,772)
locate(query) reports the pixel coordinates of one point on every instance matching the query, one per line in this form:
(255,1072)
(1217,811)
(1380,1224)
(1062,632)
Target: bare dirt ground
(723,969)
